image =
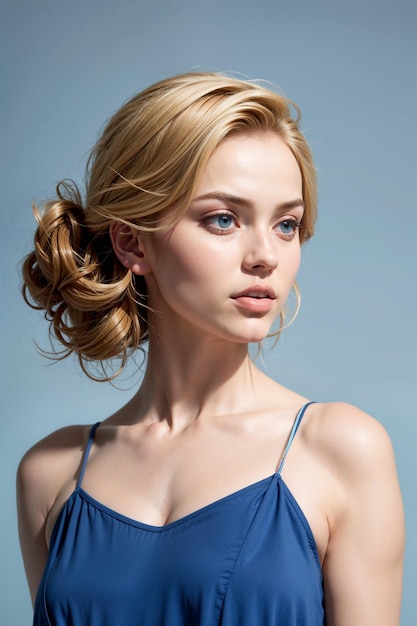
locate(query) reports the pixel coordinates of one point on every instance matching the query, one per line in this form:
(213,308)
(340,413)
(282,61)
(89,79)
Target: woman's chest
(254,544)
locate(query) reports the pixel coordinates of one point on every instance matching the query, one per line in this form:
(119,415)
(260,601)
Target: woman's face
(227,266)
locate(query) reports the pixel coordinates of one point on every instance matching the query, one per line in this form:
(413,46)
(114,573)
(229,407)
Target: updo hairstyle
(143,172)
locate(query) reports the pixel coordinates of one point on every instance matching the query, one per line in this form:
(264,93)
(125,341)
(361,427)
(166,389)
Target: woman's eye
(220,222)
(288,227)
(223,221)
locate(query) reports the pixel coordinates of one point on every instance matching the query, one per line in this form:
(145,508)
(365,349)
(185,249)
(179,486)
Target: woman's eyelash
(288,228)
(224,221)
(290,221)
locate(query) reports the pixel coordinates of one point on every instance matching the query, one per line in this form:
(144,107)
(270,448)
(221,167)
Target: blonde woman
(215,496)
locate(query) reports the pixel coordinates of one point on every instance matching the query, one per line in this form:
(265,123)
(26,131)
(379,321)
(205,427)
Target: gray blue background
(351,67)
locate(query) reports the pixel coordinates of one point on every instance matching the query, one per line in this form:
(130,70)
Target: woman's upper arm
(32,510)
(363,562)
(46,471)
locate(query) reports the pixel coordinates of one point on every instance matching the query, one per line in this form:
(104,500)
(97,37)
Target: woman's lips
(255,300)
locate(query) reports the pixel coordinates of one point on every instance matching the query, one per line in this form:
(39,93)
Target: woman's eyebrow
(244,202)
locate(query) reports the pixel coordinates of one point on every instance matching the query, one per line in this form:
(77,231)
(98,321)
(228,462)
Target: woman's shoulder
(349,440)
(339,433)
(52,461)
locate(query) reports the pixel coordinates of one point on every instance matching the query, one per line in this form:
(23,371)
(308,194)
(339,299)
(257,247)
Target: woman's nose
(261,252)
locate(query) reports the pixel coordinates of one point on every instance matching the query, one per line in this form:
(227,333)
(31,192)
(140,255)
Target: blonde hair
(143,171)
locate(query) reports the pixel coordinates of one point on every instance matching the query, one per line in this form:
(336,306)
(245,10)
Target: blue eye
(222,221)
(288,227)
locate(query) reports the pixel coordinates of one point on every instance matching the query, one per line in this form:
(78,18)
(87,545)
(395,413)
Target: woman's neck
(191,379)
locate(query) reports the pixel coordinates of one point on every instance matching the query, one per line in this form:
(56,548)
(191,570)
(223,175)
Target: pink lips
(258,299)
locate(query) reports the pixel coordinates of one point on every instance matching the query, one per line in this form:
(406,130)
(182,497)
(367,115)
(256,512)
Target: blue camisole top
(248,559)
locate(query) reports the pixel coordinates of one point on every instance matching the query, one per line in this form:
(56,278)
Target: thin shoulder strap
(86,453)
(294,429)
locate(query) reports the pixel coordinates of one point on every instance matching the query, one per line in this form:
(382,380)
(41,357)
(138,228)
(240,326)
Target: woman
(215,496)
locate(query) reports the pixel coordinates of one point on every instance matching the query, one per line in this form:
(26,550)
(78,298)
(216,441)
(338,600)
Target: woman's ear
(129,247)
